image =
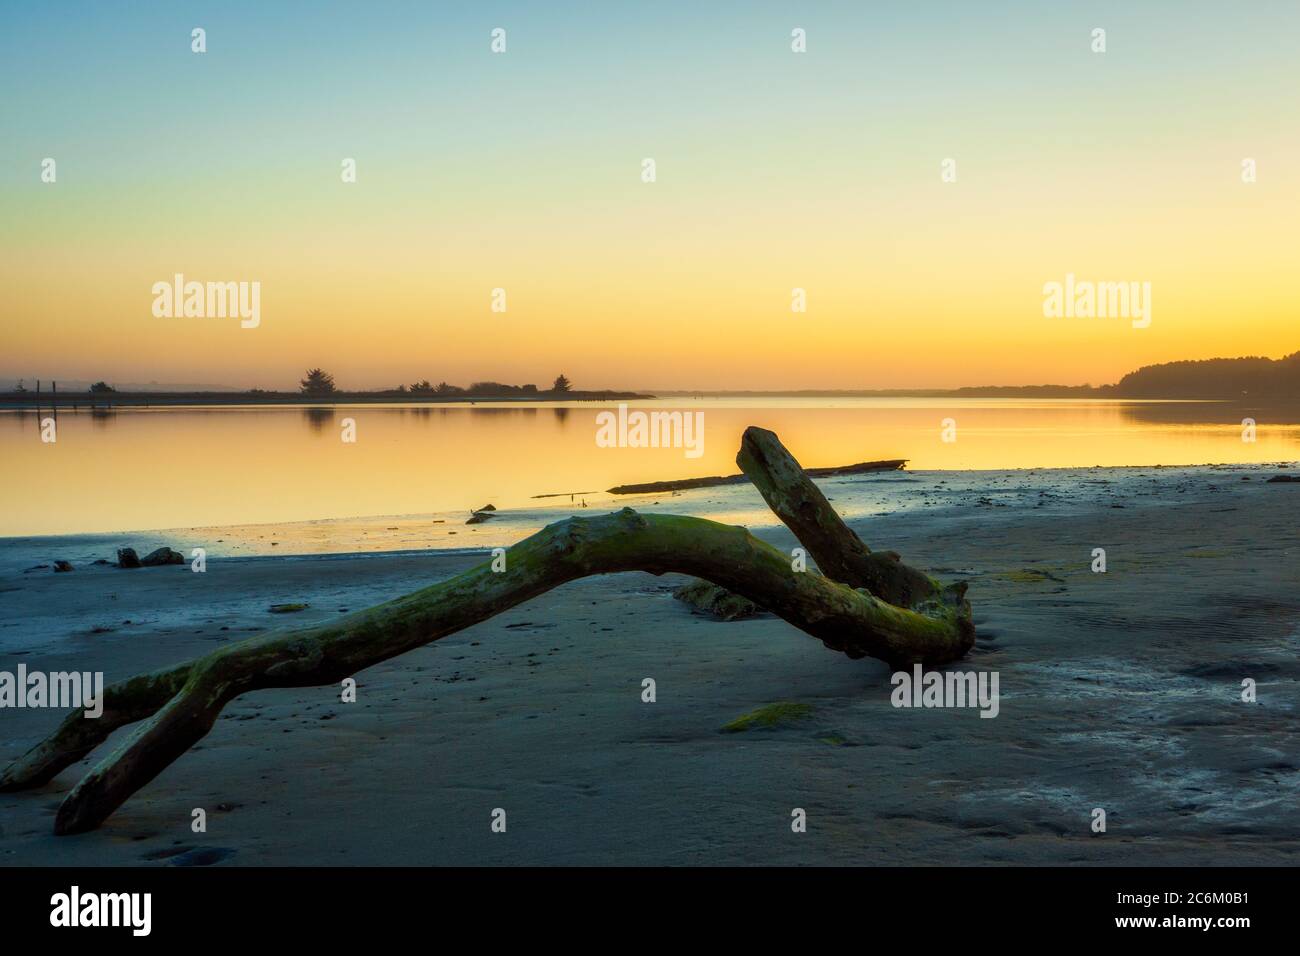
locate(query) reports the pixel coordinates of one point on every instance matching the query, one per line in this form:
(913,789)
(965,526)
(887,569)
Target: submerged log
(685,484)
(179,706)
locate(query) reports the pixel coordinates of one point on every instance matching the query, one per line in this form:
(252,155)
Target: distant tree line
(1252,378)
(1239,378)
(320,383)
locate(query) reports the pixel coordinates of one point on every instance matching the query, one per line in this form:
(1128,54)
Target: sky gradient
(521,171)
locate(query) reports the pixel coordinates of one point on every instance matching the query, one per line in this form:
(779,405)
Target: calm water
(213,467)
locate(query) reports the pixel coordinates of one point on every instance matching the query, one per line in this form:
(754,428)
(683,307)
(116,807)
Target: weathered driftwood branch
(839,553)
(180,705)
(125,703)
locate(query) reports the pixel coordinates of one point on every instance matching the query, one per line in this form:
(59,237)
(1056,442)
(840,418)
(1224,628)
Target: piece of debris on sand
(719,602)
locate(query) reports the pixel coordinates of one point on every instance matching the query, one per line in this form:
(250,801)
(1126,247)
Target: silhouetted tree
(318,382)
(444,389)
(100,387)
(562,384)
(421,388)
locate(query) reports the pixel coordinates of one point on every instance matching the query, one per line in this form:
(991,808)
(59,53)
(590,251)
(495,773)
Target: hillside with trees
(1253,378)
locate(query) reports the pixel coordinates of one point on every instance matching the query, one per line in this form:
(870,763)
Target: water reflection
(317,417)
(102,417)
(421,459)
(1210,413)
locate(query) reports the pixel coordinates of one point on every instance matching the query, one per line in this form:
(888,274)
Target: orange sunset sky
(522,171)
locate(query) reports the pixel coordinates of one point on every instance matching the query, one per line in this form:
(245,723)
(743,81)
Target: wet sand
(1119,690)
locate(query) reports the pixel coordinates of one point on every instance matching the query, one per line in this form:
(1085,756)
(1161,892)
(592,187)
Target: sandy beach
(1119,690)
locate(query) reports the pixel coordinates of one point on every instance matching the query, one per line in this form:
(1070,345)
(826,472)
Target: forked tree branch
(180,705)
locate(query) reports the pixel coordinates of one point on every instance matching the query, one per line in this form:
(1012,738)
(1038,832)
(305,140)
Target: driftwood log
(689,484)
(863,603)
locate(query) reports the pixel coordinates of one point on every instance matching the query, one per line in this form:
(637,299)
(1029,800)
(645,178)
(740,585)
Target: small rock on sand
(162,556)
(201,856)
(287,608)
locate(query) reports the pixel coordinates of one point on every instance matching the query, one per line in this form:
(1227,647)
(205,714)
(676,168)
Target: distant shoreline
(19,401)
(1250,379)
(138,399)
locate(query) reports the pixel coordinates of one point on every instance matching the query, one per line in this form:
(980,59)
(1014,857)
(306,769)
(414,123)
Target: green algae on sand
(769,716)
